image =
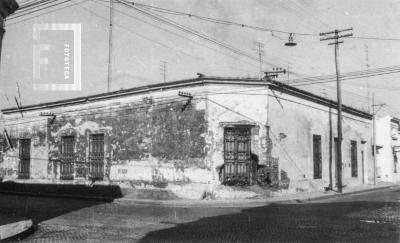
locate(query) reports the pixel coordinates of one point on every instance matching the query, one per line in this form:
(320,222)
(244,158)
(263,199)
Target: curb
(247,202)
(351,193)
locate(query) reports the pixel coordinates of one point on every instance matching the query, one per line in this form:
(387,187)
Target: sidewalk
(12,226)
(164,197)
(254,202)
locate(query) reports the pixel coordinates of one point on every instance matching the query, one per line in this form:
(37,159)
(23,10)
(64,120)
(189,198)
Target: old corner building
(186,135)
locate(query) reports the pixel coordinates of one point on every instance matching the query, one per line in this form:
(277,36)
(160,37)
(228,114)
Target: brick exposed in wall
(156,130)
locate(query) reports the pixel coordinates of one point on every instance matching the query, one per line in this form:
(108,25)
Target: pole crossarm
(379,107)
(335,31)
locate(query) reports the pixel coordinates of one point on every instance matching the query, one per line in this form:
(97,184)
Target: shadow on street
(15,206)
(106,192)
(313,222)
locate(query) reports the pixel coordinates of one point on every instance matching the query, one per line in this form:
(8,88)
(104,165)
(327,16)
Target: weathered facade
(388,140)
(219,131)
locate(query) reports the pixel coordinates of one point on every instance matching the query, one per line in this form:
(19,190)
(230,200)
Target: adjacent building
(388,154)
(196,133)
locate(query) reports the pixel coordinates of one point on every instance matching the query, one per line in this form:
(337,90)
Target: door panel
(237,153)
(354,164)
(317,156)
(24,159)
(67,157)
(96,156)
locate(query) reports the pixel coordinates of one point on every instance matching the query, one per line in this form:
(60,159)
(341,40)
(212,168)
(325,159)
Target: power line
(50,1)
(217,21)
(178,27)
(31,4)
(168,31)
(36,10)
(150,39)
(347,78)
(347,74)
(186,29)
(29,7)
(47,12)
(203,36)
(242,25)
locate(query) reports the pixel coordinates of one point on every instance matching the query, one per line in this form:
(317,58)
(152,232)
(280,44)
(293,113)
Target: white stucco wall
(298,120)
(387,136)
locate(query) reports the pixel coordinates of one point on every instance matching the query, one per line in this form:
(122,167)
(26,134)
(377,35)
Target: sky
(141,44)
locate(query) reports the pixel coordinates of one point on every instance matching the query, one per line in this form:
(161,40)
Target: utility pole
(368,84)
(334,35)
(163,70)
(110,42)
(260,51)
(289,67)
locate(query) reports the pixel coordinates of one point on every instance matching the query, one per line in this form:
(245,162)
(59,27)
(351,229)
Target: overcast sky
(140,44)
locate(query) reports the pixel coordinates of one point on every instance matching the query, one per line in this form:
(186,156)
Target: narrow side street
(367,217)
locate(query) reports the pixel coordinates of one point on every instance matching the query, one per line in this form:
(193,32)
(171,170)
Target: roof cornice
(189,83)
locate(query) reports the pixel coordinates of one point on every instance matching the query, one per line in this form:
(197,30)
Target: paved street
(368,217)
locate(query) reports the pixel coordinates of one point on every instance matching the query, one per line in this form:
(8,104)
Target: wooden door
(317,157)
(24,159)
(354,161)
(67,157)
(237,153)
(96,156)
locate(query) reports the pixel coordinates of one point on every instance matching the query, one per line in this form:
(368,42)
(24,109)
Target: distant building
(388,155)
(197,133)
(7,7)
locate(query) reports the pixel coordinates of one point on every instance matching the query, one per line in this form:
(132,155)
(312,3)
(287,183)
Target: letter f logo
(38,60)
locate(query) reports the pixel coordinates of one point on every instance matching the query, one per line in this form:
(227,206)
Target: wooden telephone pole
(110,44)
(334,35)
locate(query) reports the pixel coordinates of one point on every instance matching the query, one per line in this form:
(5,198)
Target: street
(367,217)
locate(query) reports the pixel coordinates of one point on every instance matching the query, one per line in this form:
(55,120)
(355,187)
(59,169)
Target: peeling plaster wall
(149,139)
(293,123)
(31,128)
(240,105)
